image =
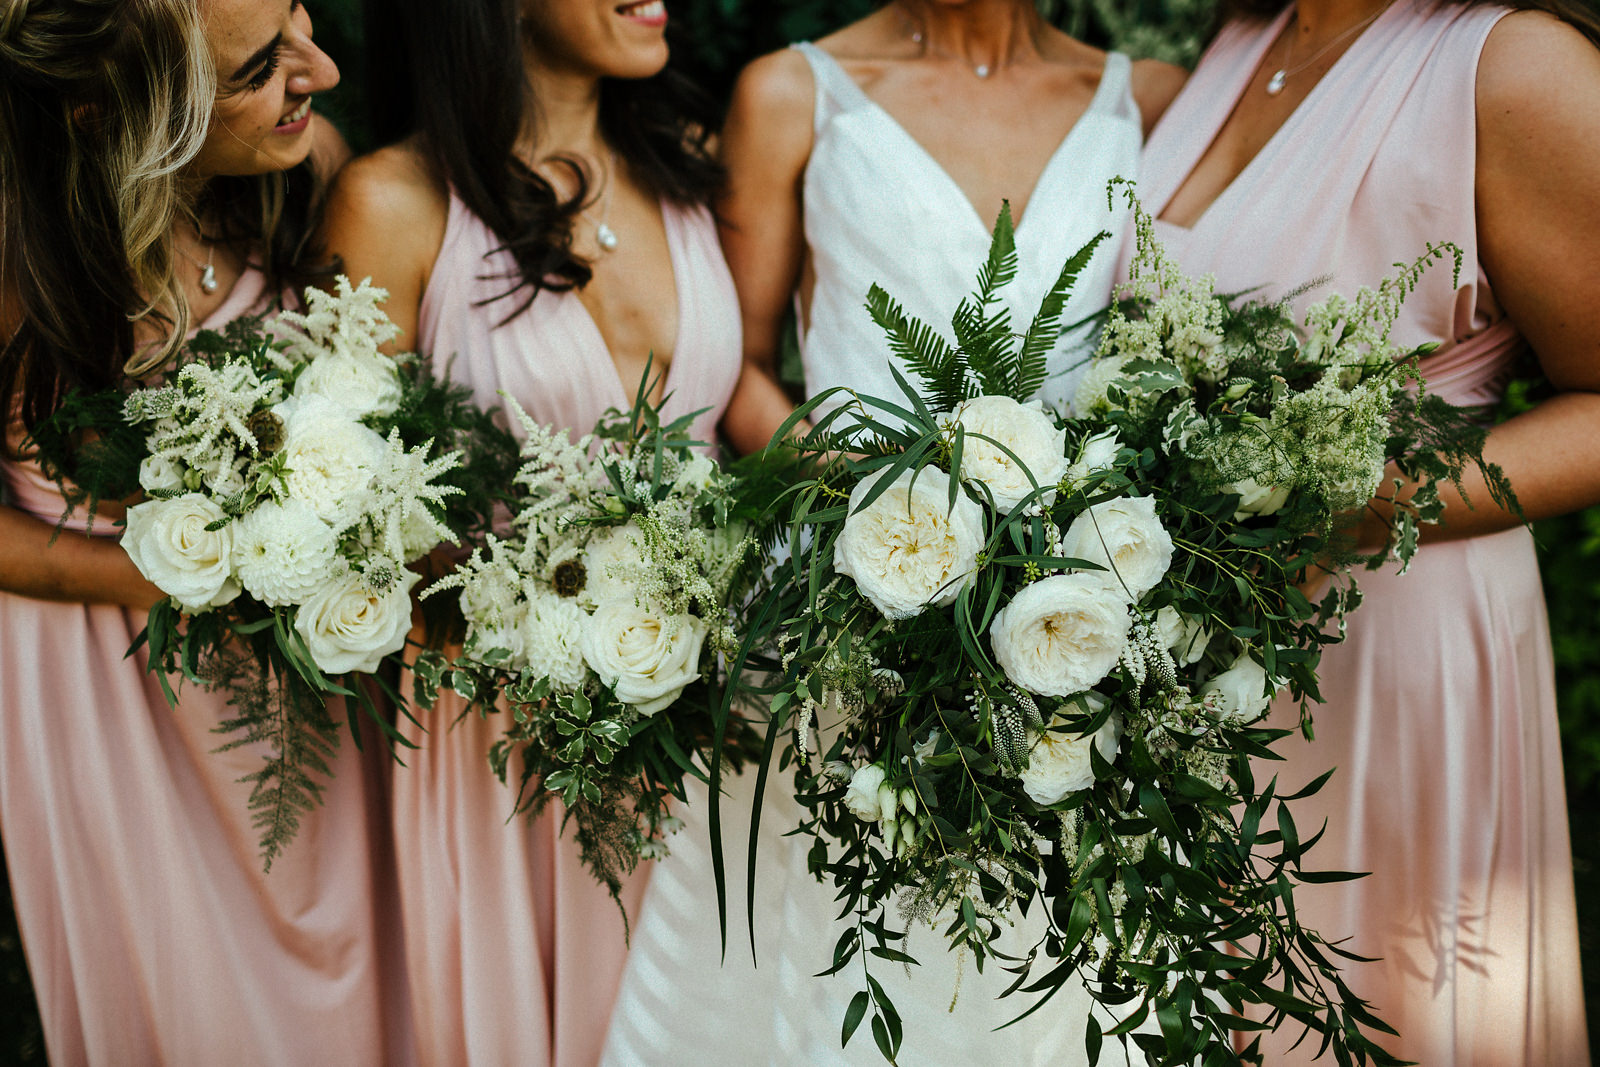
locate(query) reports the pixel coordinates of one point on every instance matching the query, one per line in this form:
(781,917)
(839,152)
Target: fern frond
(925,353)
(1032,361)
(1001,266)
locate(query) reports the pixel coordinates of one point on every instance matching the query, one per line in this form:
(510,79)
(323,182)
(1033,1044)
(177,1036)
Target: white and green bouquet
(598,625)
(291,473)
(1026,656)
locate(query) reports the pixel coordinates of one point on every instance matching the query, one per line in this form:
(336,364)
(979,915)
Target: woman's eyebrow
(261,55)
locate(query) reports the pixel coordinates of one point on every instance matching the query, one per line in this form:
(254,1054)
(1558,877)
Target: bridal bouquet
(290,473)
(600,621)
(1026,656)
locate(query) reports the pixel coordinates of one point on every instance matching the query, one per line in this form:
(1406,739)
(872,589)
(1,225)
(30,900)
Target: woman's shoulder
(395,195)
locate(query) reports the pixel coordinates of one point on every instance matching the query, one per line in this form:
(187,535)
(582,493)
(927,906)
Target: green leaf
(853,1016)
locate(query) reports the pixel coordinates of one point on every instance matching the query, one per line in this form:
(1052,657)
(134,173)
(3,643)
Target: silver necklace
(208,270)
(604,235)
(1281,76)
(982,70)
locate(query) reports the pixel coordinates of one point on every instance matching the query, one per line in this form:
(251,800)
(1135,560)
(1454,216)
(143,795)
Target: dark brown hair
(453,73)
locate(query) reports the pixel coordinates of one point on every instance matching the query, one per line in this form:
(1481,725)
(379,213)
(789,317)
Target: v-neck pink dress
(152,934)
(1439,708)
(515,951)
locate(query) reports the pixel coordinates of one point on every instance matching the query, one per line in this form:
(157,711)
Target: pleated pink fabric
(151,932)
(1440,706)
(515,951)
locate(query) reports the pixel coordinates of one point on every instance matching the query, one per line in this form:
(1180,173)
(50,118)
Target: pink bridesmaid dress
(515,951)
(152,934)
(1440,706)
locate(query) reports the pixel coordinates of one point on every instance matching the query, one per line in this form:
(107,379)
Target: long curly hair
(453,74)
(103,103)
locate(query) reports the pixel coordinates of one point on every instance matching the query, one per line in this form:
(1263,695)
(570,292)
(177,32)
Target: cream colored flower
(363,384)
(1255,498)
(1125,537)
(1061,635)
(909,550)
(1030,434)
(169,543)
(1059,763)
(645,657)
(1097,454)
(285,552)
(1243,689)
(329,457)
(349,627)
(1186,638)
(611,563)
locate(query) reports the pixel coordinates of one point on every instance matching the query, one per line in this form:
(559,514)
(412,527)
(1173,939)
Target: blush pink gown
(515,951)
(151,932)
(1440,707)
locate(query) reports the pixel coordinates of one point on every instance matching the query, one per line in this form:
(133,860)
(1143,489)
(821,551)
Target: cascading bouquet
(601,621)
(291,472)
(1025,656)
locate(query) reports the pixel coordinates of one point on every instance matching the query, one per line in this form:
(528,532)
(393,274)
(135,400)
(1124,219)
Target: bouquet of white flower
(290,474)
(1033,650)
(600,621)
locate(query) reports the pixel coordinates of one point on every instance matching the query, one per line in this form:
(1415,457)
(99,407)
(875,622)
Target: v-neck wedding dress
(877,209)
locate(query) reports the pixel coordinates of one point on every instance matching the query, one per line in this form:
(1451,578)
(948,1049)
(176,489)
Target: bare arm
(385,220)
(765,145)
(1538,170)
(90,570)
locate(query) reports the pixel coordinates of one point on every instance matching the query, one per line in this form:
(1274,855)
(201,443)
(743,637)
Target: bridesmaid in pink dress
(152,933)
(545,227)
(1332,142)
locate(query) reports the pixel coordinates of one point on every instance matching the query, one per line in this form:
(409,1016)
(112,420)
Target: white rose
(862,795)
(1061,635)
(160,474)
(908,550)
(1097,454)
(329,457)
(1255,498)
(1027,431)
(1125,537)
(284,552)
(349,627)
(362,384)
(644,657)
(552,639)
(1059,763)
(224,481)
(169,543)
(611,562)
(1186,638)
(1243,690)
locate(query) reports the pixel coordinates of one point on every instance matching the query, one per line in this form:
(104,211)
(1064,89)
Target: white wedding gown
(878,209)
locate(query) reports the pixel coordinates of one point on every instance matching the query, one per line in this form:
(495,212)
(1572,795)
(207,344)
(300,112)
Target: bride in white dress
(880,154)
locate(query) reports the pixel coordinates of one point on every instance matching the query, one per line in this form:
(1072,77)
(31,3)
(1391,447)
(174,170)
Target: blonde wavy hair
(102,105)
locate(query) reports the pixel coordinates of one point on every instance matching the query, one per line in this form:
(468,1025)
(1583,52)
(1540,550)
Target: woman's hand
(76,568)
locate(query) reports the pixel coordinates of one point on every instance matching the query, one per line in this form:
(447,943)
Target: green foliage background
(720,36)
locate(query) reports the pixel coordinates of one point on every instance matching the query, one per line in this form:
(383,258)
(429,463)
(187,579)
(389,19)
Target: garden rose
(348,626)
(1125,537)
(328,456)
(160,474)
(1242,689)
(1027,431)
(363,385)
(1061,635)
(610,563)
(1096,455)
(1059,763)
(1186,638)
(862,795)
(169,543)
(645,657)
(909,550)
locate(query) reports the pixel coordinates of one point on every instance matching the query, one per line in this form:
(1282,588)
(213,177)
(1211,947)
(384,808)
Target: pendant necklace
(982,70)
(1281,76)
(604,235)
(208,270)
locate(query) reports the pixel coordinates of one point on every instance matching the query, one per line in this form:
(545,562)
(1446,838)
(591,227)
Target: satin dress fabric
(1439,707)
(152,933)
(515,950)
(877,209)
